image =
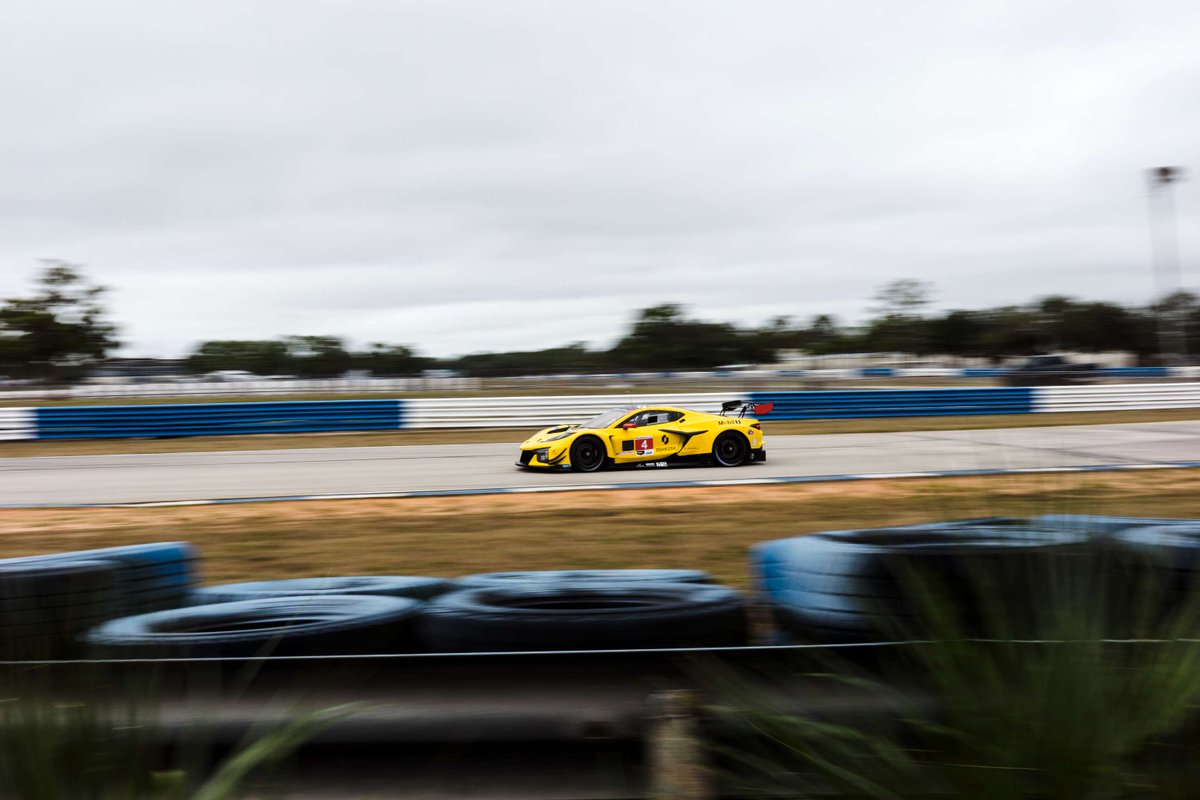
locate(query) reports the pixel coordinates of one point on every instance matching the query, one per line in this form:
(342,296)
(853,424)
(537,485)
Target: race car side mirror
(629,425)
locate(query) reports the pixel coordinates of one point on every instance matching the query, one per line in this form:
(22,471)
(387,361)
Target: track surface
(270,473)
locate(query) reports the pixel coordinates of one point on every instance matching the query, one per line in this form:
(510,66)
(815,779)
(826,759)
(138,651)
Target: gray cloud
(465,176)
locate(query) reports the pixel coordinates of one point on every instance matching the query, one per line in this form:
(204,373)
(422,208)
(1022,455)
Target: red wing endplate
(763,408)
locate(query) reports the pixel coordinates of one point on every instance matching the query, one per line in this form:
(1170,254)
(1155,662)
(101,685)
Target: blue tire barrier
(288,626)
(45,607)
(578,576)
(149,577)
(867,585)
(1098,525)
(417,588)
(590,616)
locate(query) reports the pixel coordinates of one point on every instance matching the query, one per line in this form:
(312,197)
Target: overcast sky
(465,176)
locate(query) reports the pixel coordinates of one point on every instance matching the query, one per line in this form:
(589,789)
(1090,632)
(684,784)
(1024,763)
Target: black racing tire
(572,577)
(149,577)
(1160,570)
(288,626)
(1174,546)
(384,585)
(730,449)
(588,454)
(579,617)
(45,607)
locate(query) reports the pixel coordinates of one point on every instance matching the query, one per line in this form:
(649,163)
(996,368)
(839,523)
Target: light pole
(1164,246)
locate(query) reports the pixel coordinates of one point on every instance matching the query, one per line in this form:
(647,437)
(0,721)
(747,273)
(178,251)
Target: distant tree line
(306,357)
(61,332)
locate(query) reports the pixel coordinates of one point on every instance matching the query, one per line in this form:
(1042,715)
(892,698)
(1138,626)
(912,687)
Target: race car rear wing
(744,406)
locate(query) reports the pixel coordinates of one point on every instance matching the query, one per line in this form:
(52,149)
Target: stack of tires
(495,612)
(989,578)
(45,607)
(1163,562)
(584,610)
(48,601)
(371,614)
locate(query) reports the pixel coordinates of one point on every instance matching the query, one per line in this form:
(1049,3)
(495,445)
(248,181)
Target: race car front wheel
(730,449)
(587,454)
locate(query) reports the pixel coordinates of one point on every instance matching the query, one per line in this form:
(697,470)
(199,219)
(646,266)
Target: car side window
(655,417)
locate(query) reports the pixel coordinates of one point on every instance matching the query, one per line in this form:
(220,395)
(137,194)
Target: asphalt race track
(272,473)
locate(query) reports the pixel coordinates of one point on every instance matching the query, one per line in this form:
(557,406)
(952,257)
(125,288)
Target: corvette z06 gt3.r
(650,435)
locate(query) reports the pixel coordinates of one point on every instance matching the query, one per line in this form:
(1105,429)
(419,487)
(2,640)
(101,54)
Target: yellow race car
(650,435)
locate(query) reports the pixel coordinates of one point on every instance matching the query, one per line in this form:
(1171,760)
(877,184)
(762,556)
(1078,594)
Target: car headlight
(544,454)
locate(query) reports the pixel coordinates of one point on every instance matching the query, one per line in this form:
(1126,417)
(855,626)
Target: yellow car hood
(546,434)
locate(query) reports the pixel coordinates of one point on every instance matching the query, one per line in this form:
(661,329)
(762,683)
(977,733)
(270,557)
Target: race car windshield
(605,419)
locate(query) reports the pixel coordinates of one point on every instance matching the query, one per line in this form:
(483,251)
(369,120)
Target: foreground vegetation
(1089,691)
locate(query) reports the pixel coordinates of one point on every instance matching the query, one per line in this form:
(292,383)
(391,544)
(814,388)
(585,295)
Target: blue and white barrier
(200,419)
(17,423)
(1116,397)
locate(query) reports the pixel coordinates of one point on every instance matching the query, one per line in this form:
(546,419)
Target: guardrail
(196,419)
(1116,398)
(17,423)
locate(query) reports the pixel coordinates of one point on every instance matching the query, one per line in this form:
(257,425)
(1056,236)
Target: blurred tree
(258,357)
(958,333)
(898,325)
(575,358)
(1010,331)
(824,336)
(902,298)
(662,338)
(389,360)
(318,356)
(60,332)
(1177,316)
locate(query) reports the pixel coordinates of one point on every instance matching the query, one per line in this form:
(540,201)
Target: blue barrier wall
(896,403)
(210,419)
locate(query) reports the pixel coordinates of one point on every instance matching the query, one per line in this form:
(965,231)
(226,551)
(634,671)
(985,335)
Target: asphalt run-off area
(484,468)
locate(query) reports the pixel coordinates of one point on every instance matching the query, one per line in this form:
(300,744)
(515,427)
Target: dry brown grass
(704,528)
(379,438)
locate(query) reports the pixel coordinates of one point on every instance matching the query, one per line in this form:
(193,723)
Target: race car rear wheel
(587,454)
(730,449)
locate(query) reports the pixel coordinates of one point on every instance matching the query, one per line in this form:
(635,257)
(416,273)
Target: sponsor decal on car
(644,445)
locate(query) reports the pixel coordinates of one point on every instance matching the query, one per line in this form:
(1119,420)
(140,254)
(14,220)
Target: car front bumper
(540,458)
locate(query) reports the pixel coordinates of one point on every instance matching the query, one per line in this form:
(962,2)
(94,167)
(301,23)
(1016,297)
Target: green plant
(108,745)
(1072,676)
